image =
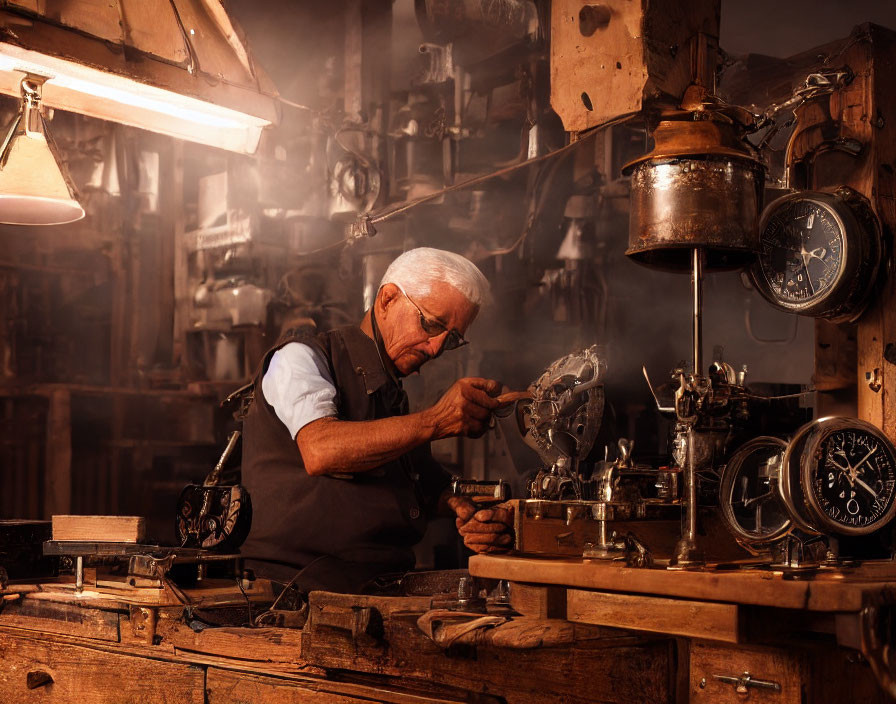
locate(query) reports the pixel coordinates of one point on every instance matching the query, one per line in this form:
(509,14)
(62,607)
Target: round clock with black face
(819,254)
(841,476)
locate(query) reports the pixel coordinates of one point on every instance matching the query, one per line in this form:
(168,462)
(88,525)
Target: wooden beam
(677,617)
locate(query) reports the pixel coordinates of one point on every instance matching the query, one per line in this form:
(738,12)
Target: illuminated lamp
(34,190)
(175,67)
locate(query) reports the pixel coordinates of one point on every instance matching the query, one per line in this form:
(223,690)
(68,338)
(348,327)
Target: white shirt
(298,385)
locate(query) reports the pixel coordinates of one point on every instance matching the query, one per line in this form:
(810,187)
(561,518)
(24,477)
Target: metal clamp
(743,683)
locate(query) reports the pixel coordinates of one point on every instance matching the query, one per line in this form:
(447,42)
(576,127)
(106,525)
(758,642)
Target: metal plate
(564,415)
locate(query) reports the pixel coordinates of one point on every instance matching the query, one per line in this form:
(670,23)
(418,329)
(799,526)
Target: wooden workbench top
(825,591)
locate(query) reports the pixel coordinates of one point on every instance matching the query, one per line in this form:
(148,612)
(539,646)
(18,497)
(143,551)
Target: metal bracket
(149,567)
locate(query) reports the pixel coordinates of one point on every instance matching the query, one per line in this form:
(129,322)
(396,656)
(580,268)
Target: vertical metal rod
(690,534)
(79,573)
(697,290)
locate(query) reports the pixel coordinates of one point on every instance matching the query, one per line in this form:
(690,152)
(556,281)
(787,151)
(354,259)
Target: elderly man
(341,476)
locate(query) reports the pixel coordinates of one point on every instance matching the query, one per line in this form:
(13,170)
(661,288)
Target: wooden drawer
(769,665)
(89,676)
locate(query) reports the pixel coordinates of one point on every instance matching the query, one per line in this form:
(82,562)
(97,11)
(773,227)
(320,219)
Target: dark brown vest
(342,531)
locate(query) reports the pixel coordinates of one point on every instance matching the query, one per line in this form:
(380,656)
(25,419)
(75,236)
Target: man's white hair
(417,269)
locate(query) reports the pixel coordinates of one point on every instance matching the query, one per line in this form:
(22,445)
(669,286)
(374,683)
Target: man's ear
(388,294)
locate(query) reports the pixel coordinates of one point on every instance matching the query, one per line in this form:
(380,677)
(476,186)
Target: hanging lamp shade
(34,189)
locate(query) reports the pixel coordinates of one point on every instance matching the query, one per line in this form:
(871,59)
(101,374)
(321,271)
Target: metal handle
(743,683)
(38,678)
(215,475)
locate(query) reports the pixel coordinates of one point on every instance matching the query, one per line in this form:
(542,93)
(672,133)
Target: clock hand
(863,460)
(820,257)
(846,471)
(806,256)
(744,484)
(761,497)
(866,488)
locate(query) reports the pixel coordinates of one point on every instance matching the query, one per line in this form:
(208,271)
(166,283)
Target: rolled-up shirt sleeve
(299,387)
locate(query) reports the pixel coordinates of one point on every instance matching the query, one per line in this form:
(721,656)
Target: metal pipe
(690,532)
(697,289)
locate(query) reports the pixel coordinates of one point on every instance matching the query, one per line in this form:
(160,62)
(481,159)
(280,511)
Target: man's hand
(484,530)
(465,409)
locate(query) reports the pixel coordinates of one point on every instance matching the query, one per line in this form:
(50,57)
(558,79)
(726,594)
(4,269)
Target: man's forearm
(330,445)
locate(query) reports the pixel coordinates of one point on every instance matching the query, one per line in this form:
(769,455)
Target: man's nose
(435,344)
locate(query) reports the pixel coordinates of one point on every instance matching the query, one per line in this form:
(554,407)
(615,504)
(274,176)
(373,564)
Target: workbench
(797,637)
(574,631)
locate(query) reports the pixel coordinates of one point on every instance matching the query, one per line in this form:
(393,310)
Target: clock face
(751,505)
(801,251)
(854,478)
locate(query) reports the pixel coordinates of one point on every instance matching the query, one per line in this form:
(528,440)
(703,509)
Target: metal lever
(215,475)
(659,406)
(745,681)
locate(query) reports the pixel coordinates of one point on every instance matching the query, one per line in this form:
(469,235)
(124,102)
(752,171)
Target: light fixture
(34,190)
(175,67)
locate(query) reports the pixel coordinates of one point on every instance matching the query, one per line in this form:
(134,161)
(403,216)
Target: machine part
(557,483)
(477,28)
(797,556)
(354,187)
(562,419)
(481,491)
(748,494)
(687,552)
(212,516)
(592,529)
(700,187)
(149,566)
(697,264)
(838,477)
(678,204)
(876,628)
(820,254)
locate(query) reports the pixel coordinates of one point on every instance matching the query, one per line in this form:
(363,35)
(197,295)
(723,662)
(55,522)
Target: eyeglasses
(433,328)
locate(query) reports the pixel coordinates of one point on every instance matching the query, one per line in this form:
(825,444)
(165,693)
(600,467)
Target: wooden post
(58,466)
(862,112)
(877,328)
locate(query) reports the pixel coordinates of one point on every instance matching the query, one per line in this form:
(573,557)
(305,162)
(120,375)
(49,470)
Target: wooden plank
(225,687)
(115,529)
(678,617)
(70,619)
(72,673)
(825,592)
(256,645)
